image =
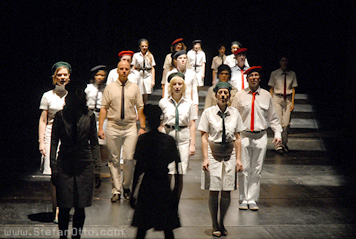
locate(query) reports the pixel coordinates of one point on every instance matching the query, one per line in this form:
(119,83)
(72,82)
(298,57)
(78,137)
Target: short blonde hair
(54,77)
(173,81)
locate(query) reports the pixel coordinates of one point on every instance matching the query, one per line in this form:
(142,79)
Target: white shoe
(243,205)
(253,206)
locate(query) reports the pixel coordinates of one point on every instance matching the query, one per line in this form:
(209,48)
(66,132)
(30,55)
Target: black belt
(96,110)
(282,95)
(144,69)
(173,127)
(255,132)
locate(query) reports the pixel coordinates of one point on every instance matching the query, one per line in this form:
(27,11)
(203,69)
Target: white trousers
(115,139)
(253,153)
(282,107)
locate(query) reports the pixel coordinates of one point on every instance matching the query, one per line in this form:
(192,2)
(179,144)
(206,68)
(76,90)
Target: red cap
(240,50)
(121,53)
(252,69)
(177,41)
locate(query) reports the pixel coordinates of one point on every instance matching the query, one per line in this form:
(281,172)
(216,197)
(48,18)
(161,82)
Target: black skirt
(157,206)
(75,184)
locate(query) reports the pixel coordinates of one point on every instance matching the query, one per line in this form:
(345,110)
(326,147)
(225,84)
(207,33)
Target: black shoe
(127,194)
(286,149)
(115,197)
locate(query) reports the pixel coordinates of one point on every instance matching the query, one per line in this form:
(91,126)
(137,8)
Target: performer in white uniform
(283,82)
(179,115)
(168,65)
(190,77)
(133,75)
(144,62)
(94,92)
(217,61)
(220,126)
(231,59)
(197,59)
(257,111)
(224,75)
(52,101)
(238,78)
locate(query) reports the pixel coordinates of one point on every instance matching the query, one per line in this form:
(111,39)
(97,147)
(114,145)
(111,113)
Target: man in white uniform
(133,75)
(118,106)
(238,78)
(257,111)
(190,77)
(283,82)
(217,61)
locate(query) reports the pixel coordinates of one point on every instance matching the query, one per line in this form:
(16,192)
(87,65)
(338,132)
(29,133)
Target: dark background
(318,36)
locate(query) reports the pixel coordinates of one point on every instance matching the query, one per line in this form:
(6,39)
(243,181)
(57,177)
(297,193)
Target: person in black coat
(156,205)
(78,158)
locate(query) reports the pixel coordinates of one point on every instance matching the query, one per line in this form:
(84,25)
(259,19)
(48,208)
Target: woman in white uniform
(94,92)
(179,115)
(51,102)
(197,59)
(144,62)
(176,45)
(221,145)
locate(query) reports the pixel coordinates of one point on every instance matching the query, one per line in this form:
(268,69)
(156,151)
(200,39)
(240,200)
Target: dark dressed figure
(78,158)
(156,205)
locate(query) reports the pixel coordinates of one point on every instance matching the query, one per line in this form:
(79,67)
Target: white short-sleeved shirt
(191,83)
(200,59)
(276,80)
(211,123)
(113,76)
(217,61)
(231,61)
(137,60)
(52,103)
(236,78)
(186,109)
(93,95)
(265,113)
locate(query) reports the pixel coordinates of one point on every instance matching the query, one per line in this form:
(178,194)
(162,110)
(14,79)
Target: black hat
(174,74)
(196,41)
(179,53)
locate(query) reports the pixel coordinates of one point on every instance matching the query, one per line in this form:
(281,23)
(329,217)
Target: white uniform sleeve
(44,105)
(204,122)
(195,90)
(273,120)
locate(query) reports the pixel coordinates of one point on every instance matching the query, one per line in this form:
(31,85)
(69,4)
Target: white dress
(52,103)
(144,66)
(222,175)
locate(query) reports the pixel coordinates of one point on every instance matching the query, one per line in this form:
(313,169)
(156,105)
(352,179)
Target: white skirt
(144,82)
(222,175)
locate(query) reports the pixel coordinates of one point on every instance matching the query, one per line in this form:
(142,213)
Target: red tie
(242,80)
(253,111)
(285,86)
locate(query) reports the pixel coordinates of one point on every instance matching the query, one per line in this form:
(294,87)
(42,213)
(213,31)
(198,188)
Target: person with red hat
(197,59)
(283,82)
(113,75)
(257,111)
(238,78)
(176,45)
(231,59)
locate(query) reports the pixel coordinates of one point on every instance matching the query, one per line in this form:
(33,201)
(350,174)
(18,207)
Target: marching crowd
(82,124)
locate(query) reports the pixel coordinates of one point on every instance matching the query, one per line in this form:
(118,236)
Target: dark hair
(76,105)
(153,116)
(95,70)
(224,67)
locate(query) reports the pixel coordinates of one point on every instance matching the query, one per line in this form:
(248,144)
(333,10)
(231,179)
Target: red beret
(121,53)
(177,41)
(240,50)
(252,69)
